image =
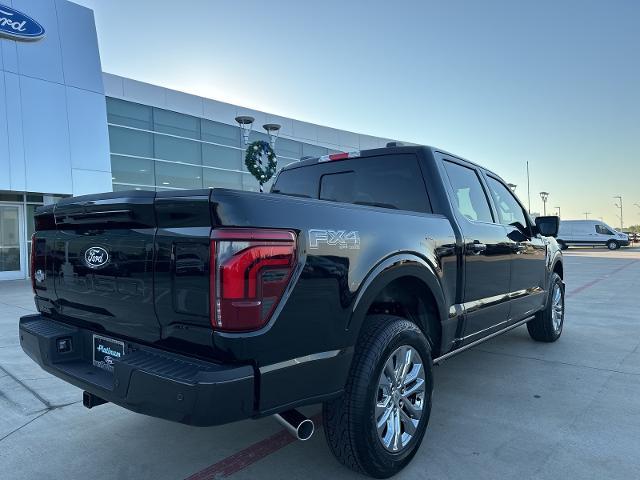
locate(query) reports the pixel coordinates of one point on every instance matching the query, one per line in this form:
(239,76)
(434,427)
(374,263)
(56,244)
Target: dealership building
(68,128)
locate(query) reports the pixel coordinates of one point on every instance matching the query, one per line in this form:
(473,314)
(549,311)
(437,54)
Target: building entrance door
(13,263)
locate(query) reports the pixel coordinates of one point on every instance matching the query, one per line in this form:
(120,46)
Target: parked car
(343,286)
(590,233)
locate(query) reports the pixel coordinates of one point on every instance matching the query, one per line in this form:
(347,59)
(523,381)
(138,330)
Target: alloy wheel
(557,307)
(400,398)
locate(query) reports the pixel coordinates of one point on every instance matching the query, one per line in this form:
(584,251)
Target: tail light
(32,267)
(250,271)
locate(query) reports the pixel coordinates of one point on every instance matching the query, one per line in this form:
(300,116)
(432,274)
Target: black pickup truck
(344,285)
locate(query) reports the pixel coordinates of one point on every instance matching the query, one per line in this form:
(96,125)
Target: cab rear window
(387,181)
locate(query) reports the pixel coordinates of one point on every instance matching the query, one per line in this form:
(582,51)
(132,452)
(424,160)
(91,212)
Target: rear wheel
(376,427)
(612,245)
(548,324)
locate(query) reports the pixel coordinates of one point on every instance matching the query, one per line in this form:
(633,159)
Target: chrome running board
(480,340)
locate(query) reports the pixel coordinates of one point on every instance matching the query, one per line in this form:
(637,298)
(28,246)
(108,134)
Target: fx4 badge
(340,238)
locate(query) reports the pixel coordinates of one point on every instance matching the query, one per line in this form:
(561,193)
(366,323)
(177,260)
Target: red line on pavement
(598,280)
(250,455)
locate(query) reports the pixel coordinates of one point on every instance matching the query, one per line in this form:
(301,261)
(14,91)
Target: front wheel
(376,427)
(612,245)
(548,324)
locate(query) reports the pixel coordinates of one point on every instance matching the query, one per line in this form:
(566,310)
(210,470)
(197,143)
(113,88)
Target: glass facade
(156,149)
(16,227)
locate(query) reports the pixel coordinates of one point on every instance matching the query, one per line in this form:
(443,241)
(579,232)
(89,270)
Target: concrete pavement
(510,408)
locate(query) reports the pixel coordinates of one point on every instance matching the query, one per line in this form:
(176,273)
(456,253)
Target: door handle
(518,247)
(476,248)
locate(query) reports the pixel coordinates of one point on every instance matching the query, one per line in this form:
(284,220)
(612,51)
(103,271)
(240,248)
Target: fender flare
(557,258)
(390,269)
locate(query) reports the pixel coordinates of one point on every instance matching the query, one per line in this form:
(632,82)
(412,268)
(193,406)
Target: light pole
(528,188)
(544,196)
(586,215)
(619,197)
(558,208)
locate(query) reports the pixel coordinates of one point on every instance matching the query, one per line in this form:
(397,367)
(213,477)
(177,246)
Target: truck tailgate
(102,263)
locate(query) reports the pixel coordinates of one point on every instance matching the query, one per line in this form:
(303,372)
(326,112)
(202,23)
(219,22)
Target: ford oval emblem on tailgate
(96,257)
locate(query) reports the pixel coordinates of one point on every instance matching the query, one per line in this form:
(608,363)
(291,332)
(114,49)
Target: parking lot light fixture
(273,129)
(246,123)
(619,197)
(544,196)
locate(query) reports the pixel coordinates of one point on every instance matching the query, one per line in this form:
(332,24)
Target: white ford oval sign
(19,26)
(96,257)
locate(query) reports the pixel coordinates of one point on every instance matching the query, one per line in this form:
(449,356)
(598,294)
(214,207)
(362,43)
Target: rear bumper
(145,380)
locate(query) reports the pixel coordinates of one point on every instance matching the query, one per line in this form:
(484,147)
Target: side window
(509,210)
(601,229)
(388,181)
(471,199)
(297,182)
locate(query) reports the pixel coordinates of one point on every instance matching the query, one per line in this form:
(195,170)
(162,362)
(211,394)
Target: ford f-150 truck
(343,286)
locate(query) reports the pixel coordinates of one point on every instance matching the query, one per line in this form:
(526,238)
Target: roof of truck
(398,149)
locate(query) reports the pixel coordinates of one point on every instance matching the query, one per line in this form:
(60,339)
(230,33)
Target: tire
(612,245)
(350,421)
(548,324)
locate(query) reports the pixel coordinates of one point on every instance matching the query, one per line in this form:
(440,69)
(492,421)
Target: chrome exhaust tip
(296,424)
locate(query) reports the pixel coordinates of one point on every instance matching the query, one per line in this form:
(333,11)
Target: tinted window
(220,133)
(288,148)
(131,114)
(601,229)
(176,123)
(136,171)
(389,181)
(386,181)
(177,149)
(509,210)
(130,142)
(221,157)
(470,197)
(299,182)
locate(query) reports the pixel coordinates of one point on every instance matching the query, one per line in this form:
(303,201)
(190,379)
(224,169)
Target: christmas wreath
(254,159)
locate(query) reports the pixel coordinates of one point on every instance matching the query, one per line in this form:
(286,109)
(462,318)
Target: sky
(501,83)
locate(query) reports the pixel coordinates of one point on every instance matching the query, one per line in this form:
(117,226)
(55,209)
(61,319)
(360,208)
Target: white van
(590,233)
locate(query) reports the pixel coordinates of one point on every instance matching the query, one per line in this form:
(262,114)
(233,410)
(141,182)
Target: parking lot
(510,408)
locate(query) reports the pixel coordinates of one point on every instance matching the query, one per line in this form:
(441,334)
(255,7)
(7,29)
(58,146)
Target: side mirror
(548,226)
